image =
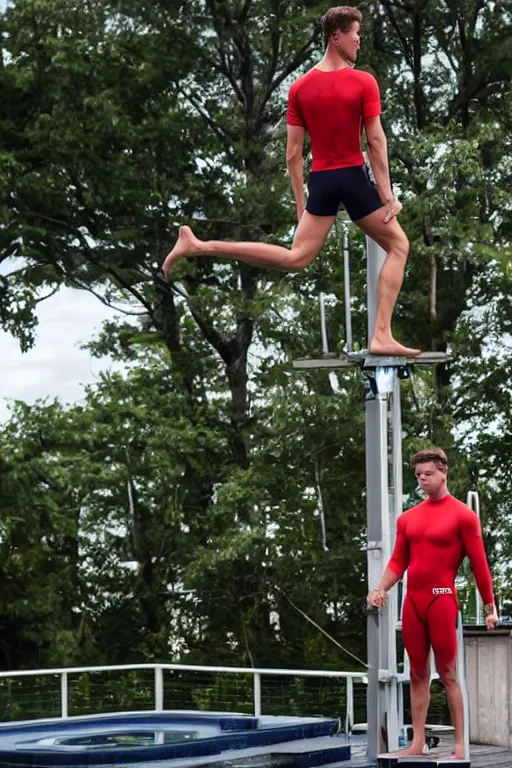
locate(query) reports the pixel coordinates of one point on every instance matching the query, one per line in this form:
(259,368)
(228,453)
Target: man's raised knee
(300,259)
(401,245)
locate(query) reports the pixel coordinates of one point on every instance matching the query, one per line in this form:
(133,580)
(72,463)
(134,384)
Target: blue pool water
(146,737)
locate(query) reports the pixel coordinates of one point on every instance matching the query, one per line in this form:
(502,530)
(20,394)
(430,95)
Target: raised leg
(392,239)
(309,239)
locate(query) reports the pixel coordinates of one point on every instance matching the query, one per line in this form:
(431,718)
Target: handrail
(473,502)
(188,667)
(159,669)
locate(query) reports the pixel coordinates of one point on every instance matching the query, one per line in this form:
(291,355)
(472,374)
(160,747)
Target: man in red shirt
(332,102)
(432,539)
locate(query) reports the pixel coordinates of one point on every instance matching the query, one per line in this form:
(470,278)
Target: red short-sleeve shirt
(331,107)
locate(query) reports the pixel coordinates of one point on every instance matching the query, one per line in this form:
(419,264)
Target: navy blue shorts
(351,187)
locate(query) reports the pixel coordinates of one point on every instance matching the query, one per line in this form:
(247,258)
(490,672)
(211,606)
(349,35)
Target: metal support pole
(473,502)
(64,709)
(398,483)
(159,689)
(323,326)
(402,735)
(377,506)
(349,719)
(396,457)
(461,677)
(378,631)
(346,286)
(389,525)
(257,694)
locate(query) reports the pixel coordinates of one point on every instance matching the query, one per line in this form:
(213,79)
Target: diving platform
(366,360)
(422,761)
(481,756)
(382,376)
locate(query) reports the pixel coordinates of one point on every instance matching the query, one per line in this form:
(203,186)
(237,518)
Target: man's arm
(396,567)
(295,163)
(378,157)
(377,597)
(473,544)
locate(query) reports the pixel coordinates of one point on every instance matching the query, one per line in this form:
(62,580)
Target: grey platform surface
(481,756)
(367,360)
(422,761)
(382,361)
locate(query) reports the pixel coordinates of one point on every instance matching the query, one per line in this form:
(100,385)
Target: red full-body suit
(431,541)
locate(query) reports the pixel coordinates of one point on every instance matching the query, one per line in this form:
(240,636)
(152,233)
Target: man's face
(348,43)
(431,477)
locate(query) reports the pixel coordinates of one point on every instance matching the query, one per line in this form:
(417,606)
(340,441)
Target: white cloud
(56,366)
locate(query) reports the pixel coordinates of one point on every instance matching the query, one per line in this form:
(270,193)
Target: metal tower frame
(383,428)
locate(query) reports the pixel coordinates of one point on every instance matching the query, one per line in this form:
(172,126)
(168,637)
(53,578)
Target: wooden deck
(490,757)
(482,756)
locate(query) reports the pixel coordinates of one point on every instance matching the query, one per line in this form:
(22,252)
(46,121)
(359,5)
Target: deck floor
(490,757)
(275,755)
(481,756)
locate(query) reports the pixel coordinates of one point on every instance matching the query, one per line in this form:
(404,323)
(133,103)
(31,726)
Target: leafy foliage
(176,512)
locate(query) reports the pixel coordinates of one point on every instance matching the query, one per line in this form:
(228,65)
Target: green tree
(122,121)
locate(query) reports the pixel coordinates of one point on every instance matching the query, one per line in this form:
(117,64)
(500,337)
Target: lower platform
(422,761)
(435,757)
(482,756)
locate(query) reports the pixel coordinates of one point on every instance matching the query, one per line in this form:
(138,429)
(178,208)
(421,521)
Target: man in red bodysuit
(332,103)
(432,539)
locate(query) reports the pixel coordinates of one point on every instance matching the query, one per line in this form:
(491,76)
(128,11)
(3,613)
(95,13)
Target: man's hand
(377,598)
(392,208)
(491,617)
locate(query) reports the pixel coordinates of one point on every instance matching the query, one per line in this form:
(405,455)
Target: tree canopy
(176,512)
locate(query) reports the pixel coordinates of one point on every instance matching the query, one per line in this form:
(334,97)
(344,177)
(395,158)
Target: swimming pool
(136,738)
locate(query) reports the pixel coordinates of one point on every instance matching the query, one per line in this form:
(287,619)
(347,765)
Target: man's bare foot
(391,348)
(187,244)
(456,754)
(413,751)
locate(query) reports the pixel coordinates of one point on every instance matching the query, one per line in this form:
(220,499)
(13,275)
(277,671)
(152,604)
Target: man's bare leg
(455,703)
(420,700)
(391,237)
(309,239)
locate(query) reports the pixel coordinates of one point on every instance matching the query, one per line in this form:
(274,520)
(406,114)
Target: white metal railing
(473,502)
(159,669)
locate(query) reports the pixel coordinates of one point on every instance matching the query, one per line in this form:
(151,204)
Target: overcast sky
(56,366)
